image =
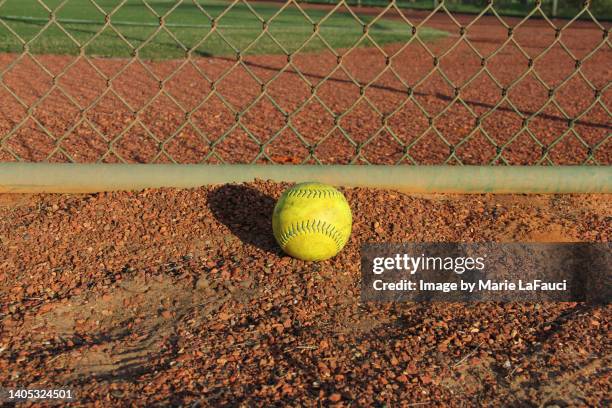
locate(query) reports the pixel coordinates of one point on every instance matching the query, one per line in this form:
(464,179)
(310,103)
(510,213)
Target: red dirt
(108,117)
(181,297)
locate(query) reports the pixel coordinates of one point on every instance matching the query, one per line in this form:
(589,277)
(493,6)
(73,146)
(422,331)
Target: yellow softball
(312,221)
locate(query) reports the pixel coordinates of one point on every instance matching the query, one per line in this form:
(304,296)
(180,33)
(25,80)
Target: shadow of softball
(247,212)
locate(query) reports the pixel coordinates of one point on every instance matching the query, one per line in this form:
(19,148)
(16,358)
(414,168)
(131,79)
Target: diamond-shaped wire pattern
(248,82)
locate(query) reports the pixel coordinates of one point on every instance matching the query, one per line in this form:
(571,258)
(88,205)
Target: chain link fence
(252,82)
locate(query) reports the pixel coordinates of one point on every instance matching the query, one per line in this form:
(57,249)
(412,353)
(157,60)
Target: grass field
(601,9)
(137,27)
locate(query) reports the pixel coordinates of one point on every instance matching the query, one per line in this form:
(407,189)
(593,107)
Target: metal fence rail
(91,178)
(60,135)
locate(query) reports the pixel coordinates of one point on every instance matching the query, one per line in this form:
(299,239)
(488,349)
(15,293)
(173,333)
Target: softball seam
(311,226)
(314,193)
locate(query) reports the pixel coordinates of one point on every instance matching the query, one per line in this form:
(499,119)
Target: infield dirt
(182,297)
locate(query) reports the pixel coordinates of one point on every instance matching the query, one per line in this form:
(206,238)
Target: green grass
(601,9)
(139,27)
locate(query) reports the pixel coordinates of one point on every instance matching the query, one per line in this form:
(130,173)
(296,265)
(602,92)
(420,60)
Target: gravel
(181,297)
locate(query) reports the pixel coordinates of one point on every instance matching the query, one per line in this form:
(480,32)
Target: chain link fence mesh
(308,84)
